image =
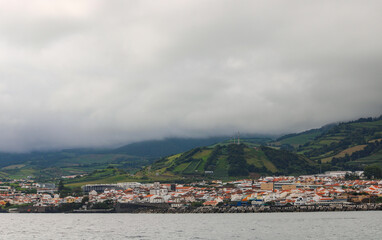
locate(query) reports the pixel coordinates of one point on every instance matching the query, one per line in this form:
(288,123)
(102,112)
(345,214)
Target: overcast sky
(102,73)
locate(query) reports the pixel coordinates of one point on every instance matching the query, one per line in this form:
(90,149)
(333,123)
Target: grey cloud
(100,73)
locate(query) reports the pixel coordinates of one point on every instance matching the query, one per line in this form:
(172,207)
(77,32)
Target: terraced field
(100,177)
(220,161)
(348,151)
(221,170)
(51,165)
(345,138)
(370,160)
(257,158)
(299,139)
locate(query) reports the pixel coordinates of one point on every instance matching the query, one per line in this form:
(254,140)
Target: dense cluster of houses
(330,188)
(303,190)
(28,192)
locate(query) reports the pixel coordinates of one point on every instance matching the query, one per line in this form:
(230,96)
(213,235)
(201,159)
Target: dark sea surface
(317,225)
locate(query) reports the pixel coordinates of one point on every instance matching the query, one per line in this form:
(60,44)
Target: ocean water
(317,225)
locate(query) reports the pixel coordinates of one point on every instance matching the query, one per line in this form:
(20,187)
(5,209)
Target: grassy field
(258,159)
(4,175)
(16,166)
(191,168)
(21,173)
(372,159)
(345,138)
(111,179)
(299,139)
(254,157)
(221,169)
(51,165)
(181,167)
(348,151)
(204,154)
(374,124)
(100,177)
(173,157)
(327,141)
(192,164)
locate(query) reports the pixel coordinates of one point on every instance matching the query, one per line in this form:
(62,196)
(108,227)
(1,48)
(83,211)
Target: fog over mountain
(101,73)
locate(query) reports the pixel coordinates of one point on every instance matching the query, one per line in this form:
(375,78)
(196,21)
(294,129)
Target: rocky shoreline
(257,209)
(165,208)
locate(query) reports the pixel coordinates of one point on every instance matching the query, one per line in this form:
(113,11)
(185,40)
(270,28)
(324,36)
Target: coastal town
(329,189)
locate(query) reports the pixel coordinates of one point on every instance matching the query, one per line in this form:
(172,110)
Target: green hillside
(170,146)
(373,159)
(233,160)
(45,166)
(102,176)
(344,146)
(165,147)
(349,145)
(294,140)
(249,141)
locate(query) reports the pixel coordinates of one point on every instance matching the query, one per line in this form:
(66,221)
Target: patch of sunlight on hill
(204,154)
(181,167)
(173,157)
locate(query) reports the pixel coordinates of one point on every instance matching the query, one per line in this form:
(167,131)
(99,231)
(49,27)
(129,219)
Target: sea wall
(260,209)
(141,207)
(165,208)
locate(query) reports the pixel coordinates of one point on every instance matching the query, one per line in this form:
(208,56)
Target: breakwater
(165,208)
(252,209)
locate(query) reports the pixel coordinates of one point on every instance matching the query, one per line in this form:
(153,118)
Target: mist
(103,73)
